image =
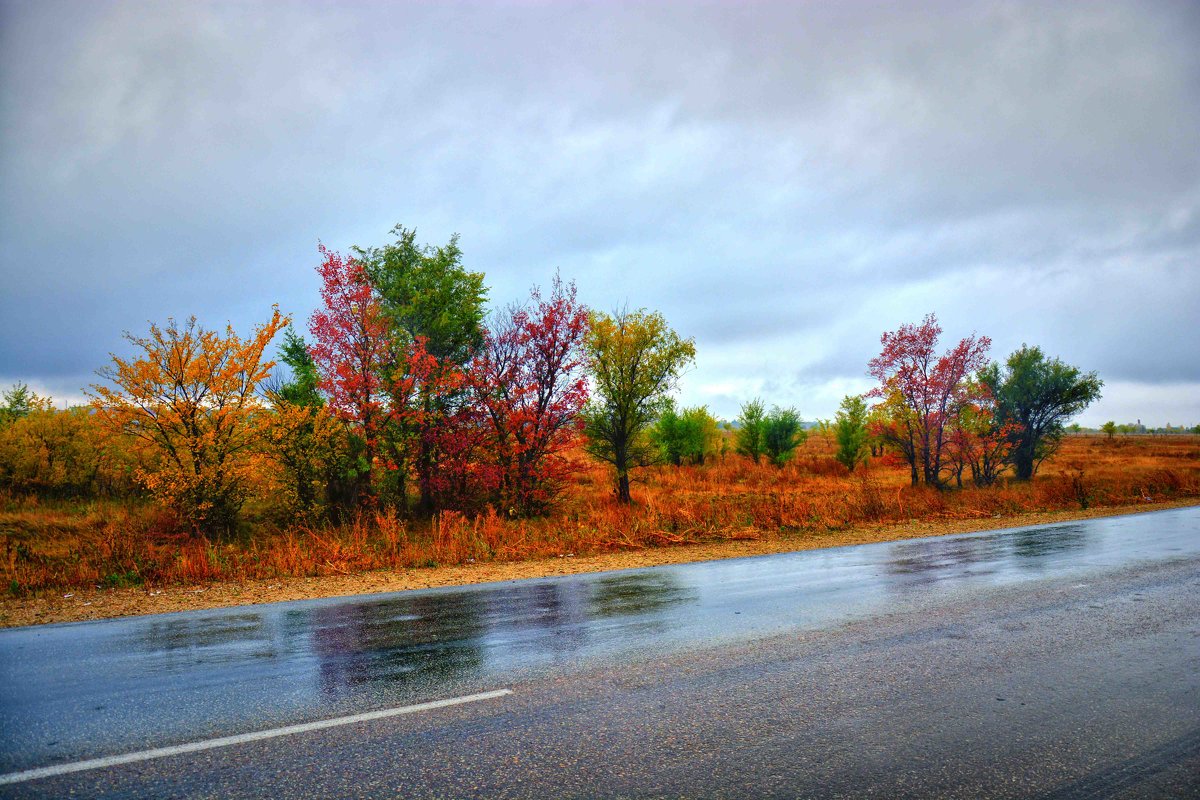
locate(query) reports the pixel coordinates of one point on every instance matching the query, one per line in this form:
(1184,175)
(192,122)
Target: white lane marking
(227,741)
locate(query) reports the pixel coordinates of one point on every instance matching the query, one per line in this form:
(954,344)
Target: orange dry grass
(114,545)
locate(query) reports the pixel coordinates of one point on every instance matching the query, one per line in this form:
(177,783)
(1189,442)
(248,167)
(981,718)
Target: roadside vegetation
(67,543)
(412,426)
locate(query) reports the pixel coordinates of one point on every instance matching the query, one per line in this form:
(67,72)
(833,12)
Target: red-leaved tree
(977,440)
(438,441)
(351,349)
(926,390)
(528,382)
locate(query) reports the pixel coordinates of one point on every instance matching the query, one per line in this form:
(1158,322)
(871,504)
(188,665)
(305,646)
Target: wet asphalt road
(1059,661)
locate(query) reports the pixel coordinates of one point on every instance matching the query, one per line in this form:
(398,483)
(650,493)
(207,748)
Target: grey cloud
(777,178)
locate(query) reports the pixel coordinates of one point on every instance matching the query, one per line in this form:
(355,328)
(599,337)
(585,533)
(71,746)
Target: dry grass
(113,545)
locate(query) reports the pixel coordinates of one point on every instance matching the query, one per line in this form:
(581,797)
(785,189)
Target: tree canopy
(191,397)
(1036,395)
(634,360)
(782,433)
(688,436)
(923,391)
(426,291)
(749,439)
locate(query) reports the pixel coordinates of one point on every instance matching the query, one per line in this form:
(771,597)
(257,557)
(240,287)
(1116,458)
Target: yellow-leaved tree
(190,396)
(634,360)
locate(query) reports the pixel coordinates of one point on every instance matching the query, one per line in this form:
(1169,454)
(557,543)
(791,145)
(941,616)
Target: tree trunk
(425,475)
(426,457)
(623,488)
(1023,462)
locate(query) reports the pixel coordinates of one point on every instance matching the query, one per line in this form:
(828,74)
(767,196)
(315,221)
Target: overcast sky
(783,181)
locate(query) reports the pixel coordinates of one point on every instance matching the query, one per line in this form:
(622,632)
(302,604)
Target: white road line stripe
(226,741)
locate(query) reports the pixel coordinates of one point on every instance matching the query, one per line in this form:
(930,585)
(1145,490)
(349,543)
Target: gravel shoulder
(79,605)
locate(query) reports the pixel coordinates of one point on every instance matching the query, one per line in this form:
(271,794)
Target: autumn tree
(54,452)
(1035,395)
(850,431)
(190,396)
(977,439)
(432,429)
(877,419)
(310,447)
(751,432)
(16,458)
(635,361)
(528,380)
(426,294)
(352,353)
(924,391)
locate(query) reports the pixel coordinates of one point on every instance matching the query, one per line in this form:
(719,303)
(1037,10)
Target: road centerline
(243,738)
